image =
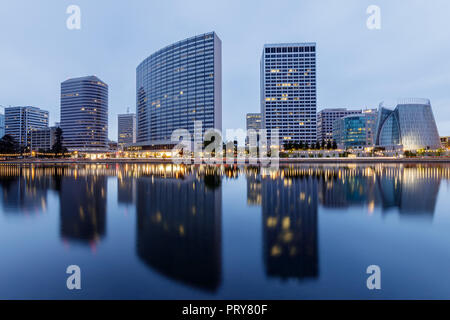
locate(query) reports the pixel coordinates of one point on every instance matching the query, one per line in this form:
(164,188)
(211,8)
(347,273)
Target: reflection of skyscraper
(289,209)
(126,190)
(253,189)
(22,190)
(179,228)
(83,207)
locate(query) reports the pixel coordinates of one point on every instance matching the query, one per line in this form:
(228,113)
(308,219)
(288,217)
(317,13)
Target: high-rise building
(20,121)
(326,118)
(410,125)
(288,91)
(84,114)
(126,128)
(253,121)
(2,125)
(178,85)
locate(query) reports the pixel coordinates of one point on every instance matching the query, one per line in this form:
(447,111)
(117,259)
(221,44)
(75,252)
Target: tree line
(9,145)
(319,145)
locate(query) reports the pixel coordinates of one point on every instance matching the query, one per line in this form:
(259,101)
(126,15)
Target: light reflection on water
(169,231)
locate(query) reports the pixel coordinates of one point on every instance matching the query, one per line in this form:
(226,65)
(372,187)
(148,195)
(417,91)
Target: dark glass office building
(178,85)
(84,114)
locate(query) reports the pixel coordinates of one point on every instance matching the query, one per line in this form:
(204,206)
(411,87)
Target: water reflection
(289,212)
(23,193)
(178,229)
(410,189)
(83,208)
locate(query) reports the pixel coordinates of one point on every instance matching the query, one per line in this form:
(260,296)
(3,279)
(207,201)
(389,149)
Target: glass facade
(411,125)
(126,128)
(84,114)
(178,85)
(326,119)
(2,125)
(288,91)
(350,131)
(20,121)
(253,121)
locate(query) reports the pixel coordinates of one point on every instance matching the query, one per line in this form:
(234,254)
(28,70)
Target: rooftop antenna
(128,110)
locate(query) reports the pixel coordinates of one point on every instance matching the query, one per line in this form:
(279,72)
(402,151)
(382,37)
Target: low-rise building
(445,142)
(410,125)
(42,139)
(355,131)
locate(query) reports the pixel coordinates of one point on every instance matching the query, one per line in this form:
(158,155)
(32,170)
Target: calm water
(163,231)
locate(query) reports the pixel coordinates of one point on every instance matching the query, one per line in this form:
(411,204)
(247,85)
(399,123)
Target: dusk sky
(356,67)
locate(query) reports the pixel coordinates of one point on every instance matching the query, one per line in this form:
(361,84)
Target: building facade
(178,85)
(410,125)
(84,114)
(43,139)
(356,130)
(126,128)
(326,119)
(253,121)
(288,91)
(371,117)
(2,125)
(445,142)
(21,121)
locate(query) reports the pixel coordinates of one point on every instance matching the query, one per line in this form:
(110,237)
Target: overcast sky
(356,67)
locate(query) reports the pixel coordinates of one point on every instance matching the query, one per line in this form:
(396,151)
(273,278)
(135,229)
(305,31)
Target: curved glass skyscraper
(178,85)
(84,114)
(411,124)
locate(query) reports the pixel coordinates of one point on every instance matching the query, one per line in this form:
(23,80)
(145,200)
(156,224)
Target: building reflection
(126,188)
(409,190)
(253,186)
(24,189)
(290,226)
(179,216)
(83,208)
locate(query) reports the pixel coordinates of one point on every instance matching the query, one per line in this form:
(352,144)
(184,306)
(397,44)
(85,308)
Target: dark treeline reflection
(179,208)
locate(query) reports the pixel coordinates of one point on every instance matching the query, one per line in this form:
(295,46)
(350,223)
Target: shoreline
(246,162)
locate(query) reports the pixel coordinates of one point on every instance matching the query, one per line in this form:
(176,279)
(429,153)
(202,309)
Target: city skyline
(345,76)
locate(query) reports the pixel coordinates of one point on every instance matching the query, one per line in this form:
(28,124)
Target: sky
(409,56)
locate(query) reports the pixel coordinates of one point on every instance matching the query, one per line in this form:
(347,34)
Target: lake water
(149,231)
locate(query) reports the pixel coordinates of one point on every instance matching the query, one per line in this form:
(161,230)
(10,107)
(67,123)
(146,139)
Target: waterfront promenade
(282,161)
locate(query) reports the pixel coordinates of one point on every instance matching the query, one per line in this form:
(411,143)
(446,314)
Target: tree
(8,144)
(322,145)
(334,145)
(317,145)
(329,146)
(58,145)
